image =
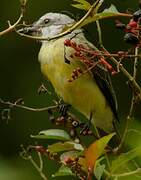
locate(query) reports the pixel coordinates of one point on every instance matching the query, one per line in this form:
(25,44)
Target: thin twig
(40,161)
(12,27)
(76,25)
(114,55)
(134,76)
(131,78)
(29,108)
(126,73)
(137,171)
(37,168)
(129,117)
(36,109)
(134,131)
(126,56)
(25,155)
(122,69)
(73,27)
(101,43)
(99,33)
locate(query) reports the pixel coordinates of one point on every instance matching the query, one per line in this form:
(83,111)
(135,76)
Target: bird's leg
(86,128)
(63,108)
(63,113)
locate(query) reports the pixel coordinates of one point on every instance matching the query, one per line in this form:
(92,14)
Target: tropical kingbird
(92,93)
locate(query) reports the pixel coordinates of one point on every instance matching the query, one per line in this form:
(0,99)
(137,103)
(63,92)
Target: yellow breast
(83,93)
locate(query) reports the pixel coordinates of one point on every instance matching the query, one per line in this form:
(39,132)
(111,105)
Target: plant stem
(129,117)
(99,33)
(77,25)
(137,171)
(28,108)
(37,168)
(126,73)
(11,27)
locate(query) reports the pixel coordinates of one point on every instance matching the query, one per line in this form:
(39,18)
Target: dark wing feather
(103,80)
(102,77)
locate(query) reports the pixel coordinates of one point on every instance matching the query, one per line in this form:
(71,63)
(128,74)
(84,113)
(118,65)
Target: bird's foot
(86,129)
(63,108)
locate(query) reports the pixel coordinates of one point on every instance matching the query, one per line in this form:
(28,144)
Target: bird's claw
(86,130)
(63,108)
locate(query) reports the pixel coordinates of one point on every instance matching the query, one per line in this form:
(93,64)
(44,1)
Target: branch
(134,76)
(28,108)
(24,154)
(37,168)
(12,27)
(118,64)
(137,171)
(133,100)
(73,27)
(127,74)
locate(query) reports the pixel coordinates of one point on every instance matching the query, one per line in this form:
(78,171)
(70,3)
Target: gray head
(49,25)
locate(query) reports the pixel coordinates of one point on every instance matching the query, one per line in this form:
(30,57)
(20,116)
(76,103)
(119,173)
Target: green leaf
(102,142)
(53,134)
(82,4)
(111,9)
(58,147)
(99,170)
(95,150)
(63,171)
(78,147)
(107,13)
(71,155)
(125,158)
(66,146)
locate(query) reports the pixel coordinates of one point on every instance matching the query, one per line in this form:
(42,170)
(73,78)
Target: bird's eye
(46,21)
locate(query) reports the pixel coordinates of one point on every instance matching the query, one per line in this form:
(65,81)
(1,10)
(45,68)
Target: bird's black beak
(30,30)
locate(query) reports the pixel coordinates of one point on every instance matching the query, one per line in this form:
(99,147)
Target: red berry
(67,42)
(75,72)
(132,24)
(81,46)
(73,44)
(114,72)
(77,54)
(79,70)
(40,149)
(71,56)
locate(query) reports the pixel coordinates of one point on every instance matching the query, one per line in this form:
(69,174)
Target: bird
(92,94)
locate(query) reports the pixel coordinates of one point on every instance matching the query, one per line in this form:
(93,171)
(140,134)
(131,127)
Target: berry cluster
(132,28)
(40,149)
(107,65)
(70,122)
(79,51)
(74,164)
(86,56)
(75,74)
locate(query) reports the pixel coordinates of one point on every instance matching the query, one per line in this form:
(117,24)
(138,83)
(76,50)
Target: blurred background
(20,77)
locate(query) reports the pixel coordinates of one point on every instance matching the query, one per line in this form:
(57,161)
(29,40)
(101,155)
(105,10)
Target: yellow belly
(83,93)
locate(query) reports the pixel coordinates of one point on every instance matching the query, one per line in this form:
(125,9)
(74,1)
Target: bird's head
(49,25)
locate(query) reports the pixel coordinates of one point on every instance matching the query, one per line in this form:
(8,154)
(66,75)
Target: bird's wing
(102,78)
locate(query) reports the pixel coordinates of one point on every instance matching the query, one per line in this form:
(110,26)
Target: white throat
(52,30)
